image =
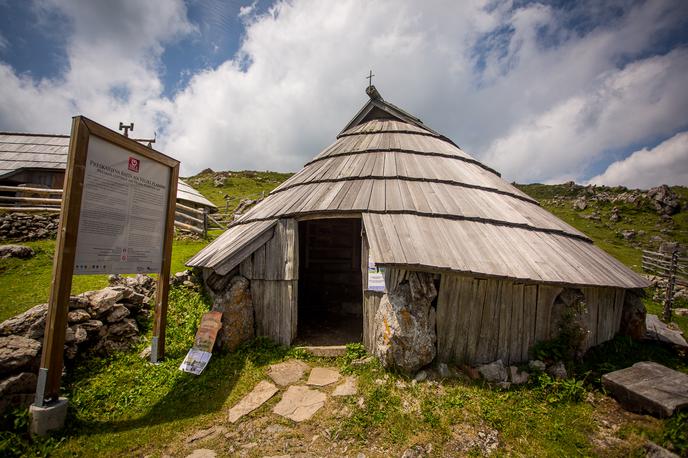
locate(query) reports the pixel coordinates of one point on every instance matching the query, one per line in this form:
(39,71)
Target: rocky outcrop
(665,201)
(633,316)
(405,324)
(16,251)
(236,306)
(23,227)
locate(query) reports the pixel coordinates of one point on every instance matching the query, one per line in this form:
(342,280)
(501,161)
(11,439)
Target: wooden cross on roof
(370,78)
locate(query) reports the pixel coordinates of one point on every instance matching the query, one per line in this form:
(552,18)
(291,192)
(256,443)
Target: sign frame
(52,358)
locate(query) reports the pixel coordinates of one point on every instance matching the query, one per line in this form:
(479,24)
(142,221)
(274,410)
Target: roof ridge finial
(371,90)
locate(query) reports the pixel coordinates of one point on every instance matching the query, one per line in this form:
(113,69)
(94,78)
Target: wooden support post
(163,288)
(671,282)
(205,223)
(50,372)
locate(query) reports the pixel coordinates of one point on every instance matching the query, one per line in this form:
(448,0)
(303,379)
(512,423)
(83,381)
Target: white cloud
(479,73)
(666,163)
(247,10)
(113,49)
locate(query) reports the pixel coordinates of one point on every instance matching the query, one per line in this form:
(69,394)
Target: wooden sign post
(117,217)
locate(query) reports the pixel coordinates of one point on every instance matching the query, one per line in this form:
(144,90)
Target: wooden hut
(391,193)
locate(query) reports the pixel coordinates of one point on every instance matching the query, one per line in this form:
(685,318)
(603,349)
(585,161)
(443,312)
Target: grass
(123,406)
(25,283)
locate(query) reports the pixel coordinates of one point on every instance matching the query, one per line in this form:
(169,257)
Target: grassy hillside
(235,185)
(649,227)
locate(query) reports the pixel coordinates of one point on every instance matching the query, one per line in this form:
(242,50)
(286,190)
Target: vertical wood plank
(505,322)
(530,293)
(515,353)
(475,303)
(486,322)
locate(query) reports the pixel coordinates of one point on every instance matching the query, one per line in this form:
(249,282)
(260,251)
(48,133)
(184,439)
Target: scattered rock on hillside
(493,372)
(16,251)
(628,234)
(664,200)
(557,370)
(580,204)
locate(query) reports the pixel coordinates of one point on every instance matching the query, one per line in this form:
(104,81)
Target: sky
(595,92)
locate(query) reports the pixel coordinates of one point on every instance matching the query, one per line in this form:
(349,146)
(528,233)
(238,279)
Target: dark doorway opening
(330,283)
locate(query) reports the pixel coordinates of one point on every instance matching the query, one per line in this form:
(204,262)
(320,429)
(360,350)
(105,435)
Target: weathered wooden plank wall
(274,271)
(481,320)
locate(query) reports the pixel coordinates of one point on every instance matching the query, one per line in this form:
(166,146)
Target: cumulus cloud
(538,92)
(666,163)
(112,69)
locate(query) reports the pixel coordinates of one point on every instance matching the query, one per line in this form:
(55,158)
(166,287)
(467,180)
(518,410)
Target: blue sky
(544,92)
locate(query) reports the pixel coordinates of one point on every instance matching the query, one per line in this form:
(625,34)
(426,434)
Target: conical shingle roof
(425,204)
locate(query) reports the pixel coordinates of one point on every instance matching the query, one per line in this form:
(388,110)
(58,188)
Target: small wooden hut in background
(392,193)
(39,160)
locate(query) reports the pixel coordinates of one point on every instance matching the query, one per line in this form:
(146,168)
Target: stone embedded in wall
(18,353)
(633,316)
(23,227)
(236,306)
(404,335)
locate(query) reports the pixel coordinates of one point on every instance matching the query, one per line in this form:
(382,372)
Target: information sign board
(123,212)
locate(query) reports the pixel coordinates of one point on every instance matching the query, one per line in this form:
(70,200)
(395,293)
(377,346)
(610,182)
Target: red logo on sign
(134,164)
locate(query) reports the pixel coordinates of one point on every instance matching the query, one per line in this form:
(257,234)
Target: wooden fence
(671,267)
(40,200)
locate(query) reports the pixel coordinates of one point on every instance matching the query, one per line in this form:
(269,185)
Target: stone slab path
(347,388)
(287,372)
(300,403)
(256,398)
(648,387)
(321,376)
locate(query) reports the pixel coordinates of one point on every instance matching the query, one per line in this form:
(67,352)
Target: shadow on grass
(622,352)
(187,397)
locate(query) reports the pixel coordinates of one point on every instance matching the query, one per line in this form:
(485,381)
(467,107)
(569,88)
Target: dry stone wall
(99,322)
(23,227)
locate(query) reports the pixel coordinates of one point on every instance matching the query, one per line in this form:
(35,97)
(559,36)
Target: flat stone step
(648,387)
(325,351)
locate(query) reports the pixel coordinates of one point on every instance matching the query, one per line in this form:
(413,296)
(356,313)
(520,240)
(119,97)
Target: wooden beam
(189,209)
(50,370)
(163,288)
(30,209)
(188,227)
(36,200)
(34,190)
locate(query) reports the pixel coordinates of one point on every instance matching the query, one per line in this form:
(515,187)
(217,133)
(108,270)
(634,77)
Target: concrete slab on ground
(263,391)
(658,330)
(287,372)
(321,376)
(326,351)
(202,453)
(648,387)
(300,403)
